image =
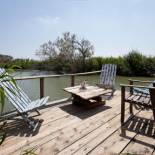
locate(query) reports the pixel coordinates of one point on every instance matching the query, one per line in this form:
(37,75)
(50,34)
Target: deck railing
(42,77)
(42,86)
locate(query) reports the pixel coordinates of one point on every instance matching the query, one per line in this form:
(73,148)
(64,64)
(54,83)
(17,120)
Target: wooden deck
(68,129)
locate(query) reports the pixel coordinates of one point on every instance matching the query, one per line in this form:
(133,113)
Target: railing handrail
(57,75)
(42,77)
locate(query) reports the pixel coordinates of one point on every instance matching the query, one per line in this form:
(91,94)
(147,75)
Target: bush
(132,64)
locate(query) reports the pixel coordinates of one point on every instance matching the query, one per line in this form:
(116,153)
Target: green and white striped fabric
(107,77)
(17,96)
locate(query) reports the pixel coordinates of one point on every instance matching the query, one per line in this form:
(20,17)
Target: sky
(114,27)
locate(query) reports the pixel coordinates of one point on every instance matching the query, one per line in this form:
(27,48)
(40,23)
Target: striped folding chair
(19,98)
(107,77)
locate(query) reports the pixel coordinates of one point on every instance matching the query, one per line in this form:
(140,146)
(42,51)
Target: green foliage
(149,66)
(23,63)
(67,50)
(132,64)
(5,58)
(3,78)
(135,63)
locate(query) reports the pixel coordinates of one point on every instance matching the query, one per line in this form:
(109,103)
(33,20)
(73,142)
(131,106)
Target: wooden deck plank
(144,141)
(74,134)
(48,117)
(141,145)
(93,118)
(120,139)
(68,129)
(102,133)
(51,115)
(153,152)
(55,126)
(49,129)
(103,136)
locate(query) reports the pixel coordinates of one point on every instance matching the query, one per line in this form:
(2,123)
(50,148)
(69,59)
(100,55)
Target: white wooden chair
(107,77)
(19,99)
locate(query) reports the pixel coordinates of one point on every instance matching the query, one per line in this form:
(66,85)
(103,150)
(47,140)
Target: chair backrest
(13,92)
(152,95)
(108,74)
(144,90)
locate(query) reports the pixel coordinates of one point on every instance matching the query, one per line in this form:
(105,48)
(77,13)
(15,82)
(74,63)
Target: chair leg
(153,113)
(131,108)
(113,91)
(122,112)
(28,121)
(38,112)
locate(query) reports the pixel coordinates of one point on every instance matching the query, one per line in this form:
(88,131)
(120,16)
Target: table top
(88,93)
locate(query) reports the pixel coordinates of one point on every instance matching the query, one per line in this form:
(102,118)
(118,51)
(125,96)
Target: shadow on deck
(83,113)
(68,129)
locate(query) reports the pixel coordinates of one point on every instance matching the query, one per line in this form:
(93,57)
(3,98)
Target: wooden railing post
(72,80)
(41,87)
(122,104)
(131,88)
(131,93)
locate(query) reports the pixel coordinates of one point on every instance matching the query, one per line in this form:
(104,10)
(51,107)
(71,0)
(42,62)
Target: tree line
(70,54)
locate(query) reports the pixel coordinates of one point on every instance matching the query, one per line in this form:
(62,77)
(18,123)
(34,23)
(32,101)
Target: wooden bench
(139,100)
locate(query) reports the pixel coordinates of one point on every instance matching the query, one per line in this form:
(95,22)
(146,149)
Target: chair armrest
(136,86)
(132,80)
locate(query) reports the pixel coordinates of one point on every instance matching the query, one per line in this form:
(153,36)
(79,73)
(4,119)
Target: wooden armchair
(140,100)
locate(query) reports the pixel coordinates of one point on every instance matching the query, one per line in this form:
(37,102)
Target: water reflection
(54,86)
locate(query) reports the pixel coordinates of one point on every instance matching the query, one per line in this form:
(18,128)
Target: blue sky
(113,26)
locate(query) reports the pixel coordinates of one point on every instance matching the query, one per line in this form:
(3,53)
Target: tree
(5,58)
(47,51)
(149,66)
(66,46)
(135,63)
(86,50)
(67,50)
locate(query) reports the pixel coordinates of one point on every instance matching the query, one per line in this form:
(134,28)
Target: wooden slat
(53,114)
(108,73)
(85,132)
(83,146)
(144,141)
(80,129)
(137,86)
(139,99)
(55,126)
(103,136)
(140,81)
(55,76)
(117,142)
(75,133)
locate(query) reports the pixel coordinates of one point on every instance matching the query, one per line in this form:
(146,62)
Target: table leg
(96,101)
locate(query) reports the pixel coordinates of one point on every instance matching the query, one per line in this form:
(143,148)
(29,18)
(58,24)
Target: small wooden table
(91,96)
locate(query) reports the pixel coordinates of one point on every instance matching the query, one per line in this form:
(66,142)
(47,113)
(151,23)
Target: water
(53,87)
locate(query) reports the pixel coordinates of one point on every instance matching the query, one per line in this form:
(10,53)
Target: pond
(53,87)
